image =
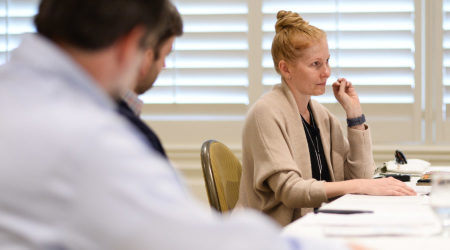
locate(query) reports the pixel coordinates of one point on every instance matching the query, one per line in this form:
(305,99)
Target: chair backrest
(222,172)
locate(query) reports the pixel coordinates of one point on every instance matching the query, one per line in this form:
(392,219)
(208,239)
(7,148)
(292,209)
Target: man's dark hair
(172,26)
(97,24)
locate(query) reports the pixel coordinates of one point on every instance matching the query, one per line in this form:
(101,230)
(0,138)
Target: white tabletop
(396,222)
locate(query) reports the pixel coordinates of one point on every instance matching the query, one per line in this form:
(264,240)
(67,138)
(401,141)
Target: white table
(405,222)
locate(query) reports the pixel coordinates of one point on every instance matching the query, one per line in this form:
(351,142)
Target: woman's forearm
(334,189)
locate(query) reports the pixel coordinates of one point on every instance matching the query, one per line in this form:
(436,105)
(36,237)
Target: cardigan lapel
(298,135)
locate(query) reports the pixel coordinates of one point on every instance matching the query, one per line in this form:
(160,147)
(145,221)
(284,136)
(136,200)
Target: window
(372,44)
(444,107)
(209,63)
(15,20)
(446,47)
(222,63)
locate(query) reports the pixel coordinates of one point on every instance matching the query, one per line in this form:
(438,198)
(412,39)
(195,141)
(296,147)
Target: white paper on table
(404,215)
(386,204)
(381,231)
(378,224)
(325,225)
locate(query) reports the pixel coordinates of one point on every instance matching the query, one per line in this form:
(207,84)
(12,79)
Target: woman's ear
(284,69)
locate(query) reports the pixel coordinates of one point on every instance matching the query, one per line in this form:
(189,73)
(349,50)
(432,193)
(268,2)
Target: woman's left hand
(346,95)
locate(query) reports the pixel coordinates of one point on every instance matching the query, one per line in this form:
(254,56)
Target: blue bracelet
(356,121)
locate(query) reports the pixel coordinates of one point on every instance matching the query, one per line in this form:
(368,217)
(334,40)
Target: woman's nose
(326,71)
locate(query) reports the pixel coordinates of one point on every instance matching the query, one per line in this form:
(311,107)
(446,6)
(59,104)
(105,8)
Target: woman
(295,154)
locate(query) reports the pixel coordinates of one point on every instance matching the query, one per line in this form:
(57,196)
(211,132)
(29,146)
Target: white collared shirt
(74,175)
(133,102)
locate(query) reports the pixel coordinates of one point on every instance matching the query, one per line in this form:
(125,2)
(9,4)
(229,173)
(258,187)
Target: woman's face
(309,74)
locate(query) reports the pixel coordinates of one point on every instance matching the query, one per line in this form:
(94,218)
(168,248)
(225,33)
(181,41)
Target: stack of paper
(392,216)
(378,224)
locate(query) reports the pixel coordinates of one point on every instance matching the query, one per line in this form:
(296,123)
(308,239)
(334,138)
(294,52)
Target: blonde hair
(293,35)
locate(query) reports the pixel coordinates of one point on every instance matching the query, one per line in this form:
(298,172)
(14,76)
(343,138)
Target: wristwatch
(356,121)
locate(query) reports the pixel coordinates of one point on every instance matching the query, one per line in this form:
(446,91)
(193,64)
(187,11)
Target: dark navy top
(316,152)
(150,136)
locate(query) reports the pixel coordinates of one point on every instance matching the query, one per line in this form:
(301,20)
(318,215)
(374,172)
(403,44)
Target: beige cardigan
(276,174)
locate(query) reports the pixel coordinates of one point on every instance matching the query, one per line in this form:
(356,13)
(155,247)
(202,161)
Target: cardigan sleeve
(276,175)
(359,163)
(296,192)
(355,151)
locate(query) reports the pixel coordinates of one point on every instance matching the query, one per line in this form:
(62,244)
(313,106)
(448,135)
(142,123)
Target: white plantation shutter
(222,63)
(16,18)
(446,47)
(444,116)
(209,62)
(371,44)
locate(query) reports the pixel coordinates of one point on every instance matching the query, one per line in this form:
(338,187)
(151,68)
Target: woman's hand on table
(383,186)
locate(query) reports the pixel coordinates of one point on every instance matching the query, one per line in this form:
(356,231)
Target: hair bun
(288,19)
(284,13)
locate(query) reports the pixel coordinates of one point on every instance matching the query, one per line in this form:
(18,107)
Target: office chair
(222,173)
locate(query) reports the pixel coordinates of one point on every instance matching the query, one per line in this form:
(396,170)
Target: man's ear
(128,45)
(284,69)
(147,61)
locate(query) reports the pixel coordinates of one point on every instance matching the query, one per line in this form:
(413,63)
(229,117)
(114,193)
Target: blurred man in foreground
(74,174)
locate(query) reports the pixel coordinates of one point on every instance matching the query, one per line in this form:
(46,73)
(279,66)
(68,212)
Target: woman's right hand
(383,186)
